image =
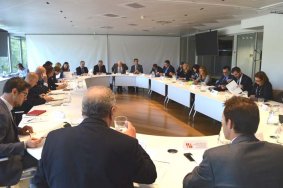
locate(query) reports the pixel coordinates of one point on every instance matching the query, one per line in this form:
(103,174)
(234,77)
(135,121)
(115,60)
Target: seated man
(244,82)
(136,68)
(220,84)
(102,157)
(82,70)
(119,67)
(246,162)
(99,68)
(168,69)
(36,95)
(156,70)
(14,93)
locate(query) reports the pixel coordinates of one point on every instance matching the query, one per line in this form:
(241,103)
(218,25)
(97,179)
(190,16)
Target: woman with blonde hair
(203,76)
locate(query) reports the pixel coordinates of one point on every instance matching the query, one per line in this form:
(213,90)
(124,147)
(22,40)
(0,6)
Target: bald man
(92,154)
(35,96)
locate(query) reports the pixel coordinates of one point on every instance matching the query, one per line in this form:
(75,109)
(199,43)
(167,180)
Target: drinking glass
(260,101)
(121,123)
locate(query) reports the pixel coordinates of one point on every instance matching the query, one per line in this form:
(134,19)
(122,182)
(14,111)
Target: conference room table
(166,152)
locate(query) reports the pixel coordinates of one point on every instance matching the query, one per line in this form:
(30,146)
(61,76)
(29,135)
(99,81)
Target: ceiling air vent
(111,15)
(106,27)
(135,5)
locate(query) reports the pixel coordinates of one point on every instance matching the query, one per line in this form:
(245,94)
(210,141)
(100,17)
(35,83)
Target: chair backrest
(97,81)
(277,95)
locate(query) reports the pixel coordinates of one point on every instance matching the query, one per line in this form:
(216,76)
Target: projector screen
(111,48)
(207,43)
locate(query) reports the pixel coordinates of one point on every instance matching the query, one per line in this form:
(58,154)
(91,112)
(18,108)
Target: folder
(35,112)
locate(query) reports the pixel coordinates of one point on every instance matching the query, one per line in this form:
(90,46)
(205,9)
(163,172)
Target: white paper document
(234,88)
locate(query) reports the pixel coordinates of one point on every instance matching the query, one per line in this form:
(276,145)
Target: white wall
(91,48)
(70,48)
(272,51)
(148,49)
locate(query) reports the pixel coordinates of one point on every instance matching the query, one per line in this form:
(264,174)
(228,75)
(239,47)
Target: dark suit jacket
(96,69)
(166,71)
(139,68)
(247,84)
(246,163)
(93,155)
(115,68)
(223,80)
(264,91)
(33,98)
(79,70)
(10,146)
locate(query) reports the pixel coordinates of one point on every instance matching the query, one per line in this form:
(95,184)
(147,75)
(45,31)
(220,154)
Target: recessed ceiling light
(47,3)
(142,17)
(61,11)
(65,17)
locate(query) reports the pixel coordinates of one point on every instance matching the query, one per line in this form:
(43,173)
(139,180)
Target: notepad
(36,112)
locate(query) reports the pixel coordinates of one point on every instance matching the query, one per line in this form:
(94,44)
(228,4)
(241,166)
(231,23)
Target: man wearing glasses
(13,155)
(224,80)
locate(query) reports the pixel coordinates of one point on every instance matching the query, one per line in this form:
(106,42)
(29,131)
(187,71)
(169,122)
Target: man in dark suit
(136,68)
(244,82)
(81,70)
(226,77)
(156,70)
(92,154)
(13,156)
(246,162)
(168,69)
(99,68)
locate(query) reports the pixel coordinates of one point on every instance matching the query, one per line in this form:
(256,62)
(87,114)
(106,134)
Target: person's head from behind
(100,63)
(261,78)
(31,79)
(20,66)
(195,68)
(203,71)
(240,116)
(82,64)
(15,91)
(99,102)
(236,72)
(136,61)
(166,63)
(226,70)
(41,72)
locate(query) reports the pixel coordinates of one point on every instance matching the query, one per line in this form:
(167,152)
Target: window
(17,52)
(4,65)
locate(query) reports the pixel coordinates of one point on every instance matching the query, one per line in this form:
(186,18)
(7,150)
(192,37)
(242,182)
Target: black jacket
(93,155)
